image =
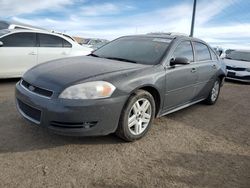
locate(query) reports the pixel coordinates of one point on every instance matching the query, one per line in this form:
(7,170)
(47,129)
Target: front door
(181,79)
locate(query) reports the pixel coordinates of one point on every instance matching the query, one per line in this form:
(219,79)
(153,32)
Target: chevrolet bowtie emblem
(31,88)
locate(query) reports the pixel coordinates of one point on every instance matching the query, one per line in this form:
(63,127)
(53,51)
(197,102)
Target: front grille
(236,68)
(37,90)
(30,112)
(240,77)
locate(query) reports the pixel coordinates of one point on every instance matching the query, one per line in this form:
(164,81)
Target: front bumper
(242,76)
(70,117)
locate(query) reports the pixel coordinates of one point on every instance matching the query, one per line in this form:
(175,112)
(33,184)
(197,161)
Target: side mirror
(179,61)
(1,43)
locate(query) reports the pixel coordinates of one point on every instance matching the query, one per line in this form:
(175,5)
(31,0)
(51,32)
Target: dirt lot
(201,146)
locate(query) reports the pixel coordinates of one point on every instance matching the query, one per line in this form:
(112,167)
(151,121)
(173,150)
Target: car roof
(167,36)
(10,31)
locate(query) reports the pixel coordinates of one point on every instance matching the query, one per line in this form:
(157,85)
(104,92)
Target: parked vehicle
(98,45)
(94,43)
(238,65)
(121,87)
(23,49)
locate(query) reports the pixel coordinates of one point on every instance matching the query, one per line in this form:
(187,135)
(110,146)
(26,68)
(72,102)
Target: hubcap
(215,91)
(139,116)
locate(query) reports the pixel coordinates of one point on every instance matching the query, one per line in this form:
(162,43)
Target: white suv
(23,49)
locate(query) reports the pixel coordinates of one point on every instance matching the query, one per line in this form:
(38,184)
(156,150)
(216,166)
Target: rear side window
(19,40)
(213,54)
(184,50)
(202,52)
(66,44)
(52,41)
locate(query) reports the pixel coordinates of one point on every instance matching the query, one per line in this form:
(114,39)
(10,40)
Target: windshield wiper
(120,59)
(94,55)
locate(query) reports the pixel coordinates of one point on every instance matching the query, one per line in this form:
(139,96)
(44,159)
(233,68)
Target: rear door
(181,79)
(52,47)
(207,68)
(18,54)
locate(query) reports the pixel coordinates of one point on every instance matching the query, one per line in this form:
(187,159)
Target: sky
(224,23)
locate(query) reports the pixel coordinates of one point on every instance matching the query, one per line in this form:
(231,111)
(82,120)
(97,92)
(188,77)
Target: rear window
(202,52)
(19,40)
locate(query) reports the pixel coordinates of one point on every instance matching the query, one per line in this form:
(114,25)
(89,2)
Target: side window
(50,41)
(185,50)
(19,40)
(213,54)
(66,44)
(202,52)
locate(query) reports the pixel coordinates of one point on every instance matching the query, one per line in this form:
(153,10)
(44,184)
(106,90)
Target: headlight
(88,90)
(248,69)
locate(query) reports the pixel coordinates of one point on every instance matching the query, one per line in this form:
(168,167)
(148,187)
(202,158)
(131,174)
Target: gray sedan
(120,87)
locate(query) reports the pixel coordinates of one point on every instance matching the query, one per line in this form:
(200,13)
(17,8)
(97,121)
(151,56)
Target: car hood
(58,74)
(237,63)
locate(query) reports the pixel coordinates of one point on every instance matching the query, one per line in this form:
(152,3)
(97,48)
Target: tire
(214,93)
(140,122)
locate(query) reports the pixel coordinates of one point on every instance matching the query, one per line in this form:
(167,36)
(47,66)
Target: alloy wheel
(139,116)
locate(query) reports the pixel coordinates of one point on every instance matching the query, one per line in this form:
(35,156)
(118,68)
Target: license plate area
(231,73)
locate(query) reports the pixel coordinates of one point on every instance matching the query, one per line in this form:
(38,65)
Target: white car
(22,49)
(238,65)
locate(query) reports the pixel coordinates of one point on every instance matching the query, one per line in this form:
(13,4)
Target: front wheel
(137,116)
(214,93)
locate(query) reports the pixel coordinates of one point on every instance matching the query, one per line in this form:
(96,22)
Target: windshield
(238,55)
(143,50)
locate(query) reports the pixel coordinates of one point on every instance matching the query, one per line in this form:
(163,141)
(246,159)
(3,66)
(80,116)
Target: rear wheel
(137,116)
(214,93)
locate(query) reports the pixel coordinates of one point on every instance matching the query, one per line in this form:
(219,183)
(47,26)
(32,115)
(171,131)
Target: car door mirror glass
(1,43)
(179,61)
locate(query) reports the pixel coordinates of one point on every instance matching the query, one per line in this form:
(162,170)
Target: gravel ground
(201,146)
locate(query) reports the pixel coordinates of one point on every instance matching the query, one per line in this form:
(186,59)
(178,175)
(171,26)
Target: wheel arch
(154,92)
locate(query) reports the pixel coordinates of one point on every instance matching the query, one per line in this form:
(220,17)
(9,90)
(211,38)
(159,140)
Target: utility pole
(193,19)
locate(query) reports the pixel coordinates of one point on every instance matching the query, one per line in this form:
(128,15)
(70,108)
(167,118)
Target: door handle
(64,53)
(193,70)
(32,53)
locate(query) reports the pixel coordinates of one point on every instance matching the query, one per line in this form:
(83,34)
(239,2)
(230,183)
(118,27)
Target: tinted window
(66,44)
(50,41)
(202,52)
(184,50)
(19,40)
(214,55)
(143,50)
